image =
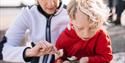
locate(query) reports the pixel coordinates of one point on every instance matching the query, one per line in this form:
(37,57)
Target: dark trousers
(119,9)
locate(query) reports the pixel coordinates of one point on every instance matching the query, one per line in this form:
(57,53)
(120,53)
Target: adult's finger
(49,46)
(42,46)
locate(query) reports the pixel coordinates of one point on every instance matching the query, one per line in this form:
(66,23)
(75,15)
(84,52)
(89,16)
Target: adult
(45,22)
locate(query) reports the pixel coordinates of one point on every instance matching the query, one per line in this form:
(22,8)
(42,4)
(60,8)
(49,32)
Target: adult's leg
(119,10)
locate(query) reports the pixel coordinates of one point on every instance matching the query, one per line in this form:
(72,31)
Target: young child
(85,38)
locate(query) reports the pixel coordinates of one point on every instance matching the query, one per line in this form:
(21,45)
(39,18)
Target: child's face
(82,26)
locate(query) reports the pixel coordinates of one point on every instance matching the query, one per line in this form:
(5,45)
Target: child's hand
(66,62)
(84,60)
(58,61)
(58,53)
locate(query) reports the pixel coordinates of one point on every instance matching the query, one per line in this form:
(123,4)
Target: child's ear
(98,20)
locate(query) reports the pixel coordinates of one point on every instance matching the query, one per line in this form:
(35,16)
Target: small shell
(72,58)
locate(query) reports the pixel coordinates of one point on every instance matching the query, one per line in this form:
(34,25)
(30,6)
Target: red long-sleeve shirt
(97,49)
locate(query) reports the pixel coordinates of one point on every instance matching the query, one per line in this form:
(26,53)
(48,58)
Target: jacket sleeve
(59,41)
(103,50)
(12,51)
(60,44)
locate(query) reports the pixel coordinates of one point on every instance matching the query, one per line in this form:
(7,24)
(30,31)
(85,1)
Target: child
(84,38)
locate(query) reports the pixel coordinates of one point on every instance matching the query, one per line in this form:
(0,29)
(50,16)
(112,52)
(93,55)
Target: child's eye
(91,29)
(80,28)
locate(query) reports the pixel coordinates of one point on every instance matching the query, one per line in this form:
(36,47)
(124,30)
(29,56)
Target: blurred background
(115,25)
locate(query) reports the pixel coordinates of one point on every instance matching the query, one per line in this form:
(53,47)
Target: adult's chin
(50,11)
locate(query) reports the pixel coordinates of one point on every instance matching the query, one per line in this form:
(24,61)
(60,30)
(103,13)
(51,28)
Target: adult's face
(49,6)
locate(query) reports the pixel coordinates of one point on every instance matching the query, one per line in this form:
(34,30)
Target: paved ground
(117,33)
(119,57)
(7,16)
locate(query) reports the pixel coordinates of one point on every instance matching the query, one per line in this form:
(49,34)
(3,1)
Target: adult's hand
(41,48)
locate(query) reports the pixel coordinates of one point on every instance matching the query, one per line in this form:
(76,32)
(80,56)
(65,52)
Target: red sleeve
(103,50)
(63,39)
(59,42)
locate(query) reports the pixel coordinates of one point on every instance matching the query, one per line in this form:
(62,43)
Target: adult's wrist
(25,57)
(28,52)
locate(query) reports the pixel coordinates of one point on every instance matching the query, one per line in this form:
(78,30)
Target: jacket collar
(59,9)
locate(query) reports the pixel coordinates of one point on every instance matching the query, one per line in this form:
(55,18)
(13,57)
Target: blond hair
(96,10)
